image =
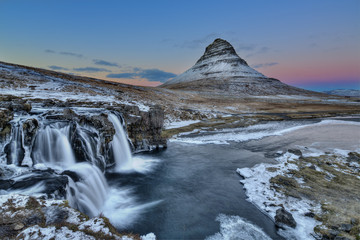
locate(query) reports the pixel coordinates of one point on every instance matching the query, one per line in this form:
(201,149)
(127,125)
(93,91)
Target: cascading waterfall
(75,152)
(15,148)
(52,146)
(91,145)
(120,147)
(90,192)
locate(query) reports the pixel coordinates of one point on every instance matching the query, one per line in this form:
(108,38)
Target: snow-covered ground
(179,124)
(328,137)
(34,85)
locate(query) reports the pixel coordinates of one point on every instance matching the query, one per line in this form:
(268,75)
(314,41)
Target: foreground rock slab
(28,217)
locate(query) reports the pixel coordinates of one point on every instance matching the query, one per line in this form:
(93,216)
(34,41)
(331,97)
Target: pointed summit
(221,48)
(219,61)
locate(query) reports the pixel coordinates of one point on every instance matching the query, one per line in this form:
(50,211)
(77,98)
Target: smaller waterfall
(88,147)
(120,147)
(90,192)
(15,150)
(52,146)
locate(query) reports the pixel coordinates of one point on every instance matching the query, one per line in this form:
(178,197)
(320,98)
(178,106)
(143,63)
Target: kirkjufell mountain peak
(219,61)
(221,69)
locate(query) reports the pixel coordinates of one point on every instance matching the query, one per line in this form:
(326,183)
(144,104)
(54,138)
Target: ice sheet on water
(242,134)
(253,132)
(235,227)
(180,124)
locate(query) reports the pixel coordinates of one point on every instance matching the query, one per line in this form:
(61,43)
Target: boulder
(296,152)
(345,227)
(353,157)
(284,218)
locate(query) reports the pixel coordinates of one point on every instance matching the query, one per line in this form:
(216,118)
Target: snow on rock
(149,236)
(52,233)
(235,227)
(22,215)
(96,225)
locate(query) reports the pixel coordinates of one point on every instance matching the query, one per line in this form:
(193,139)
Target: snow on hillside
(219,61)
(344,92)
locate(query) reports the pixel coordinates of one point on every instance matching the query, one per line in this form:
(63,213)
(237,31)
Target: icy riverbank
(316,183)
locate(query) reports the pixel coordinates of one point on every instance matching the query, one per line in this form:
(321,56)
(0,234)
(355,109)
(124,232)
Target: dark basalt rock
(145,130)
(345,227)
(296,152)
(284,218)
(30,128)
(5,127)
(310,214)
(53,183)
(353,157)
(35,218)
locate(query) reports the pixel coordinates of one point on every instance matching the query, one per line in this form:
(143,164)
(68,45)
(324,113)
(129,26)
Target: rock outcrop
(284,218)
(220,70)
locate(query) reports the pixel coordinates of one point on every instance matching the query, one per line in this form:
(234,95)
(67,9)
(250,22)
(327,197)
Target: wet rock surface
(47,181)
(145,130)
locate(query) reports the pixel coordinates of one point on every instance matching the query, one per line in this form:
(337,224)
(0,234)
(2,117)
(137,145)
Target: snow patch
(235,227)
(48,233)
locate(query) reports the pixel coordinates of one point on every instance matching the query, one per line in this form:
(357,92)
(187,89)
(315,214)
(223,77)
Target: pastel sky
(314,44)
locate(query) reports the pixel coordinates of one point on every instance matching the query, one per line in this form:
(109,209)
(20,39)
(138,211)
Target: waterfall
(89,146)
(52,146)
(90,192)
(76,152)
(15,150)
(120,147)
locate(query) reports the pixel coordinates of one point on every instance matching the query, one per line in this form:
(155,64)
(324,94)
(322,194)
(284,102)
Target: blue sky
(311,44)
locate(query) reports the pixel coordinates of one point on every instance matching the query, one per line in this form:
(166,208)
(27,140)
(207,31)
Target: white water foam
(122,208)
(90,192)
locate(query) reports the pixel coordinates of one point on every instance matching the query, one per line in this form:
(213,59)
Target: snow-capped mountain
(219,61)
(220,69)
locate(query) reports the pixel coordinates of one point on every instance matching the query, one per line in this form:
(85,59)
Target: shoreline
(290,184)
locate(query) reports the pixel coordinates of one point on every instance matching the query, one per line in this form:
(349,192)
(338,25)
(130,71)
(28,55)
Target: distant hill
(344,92)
